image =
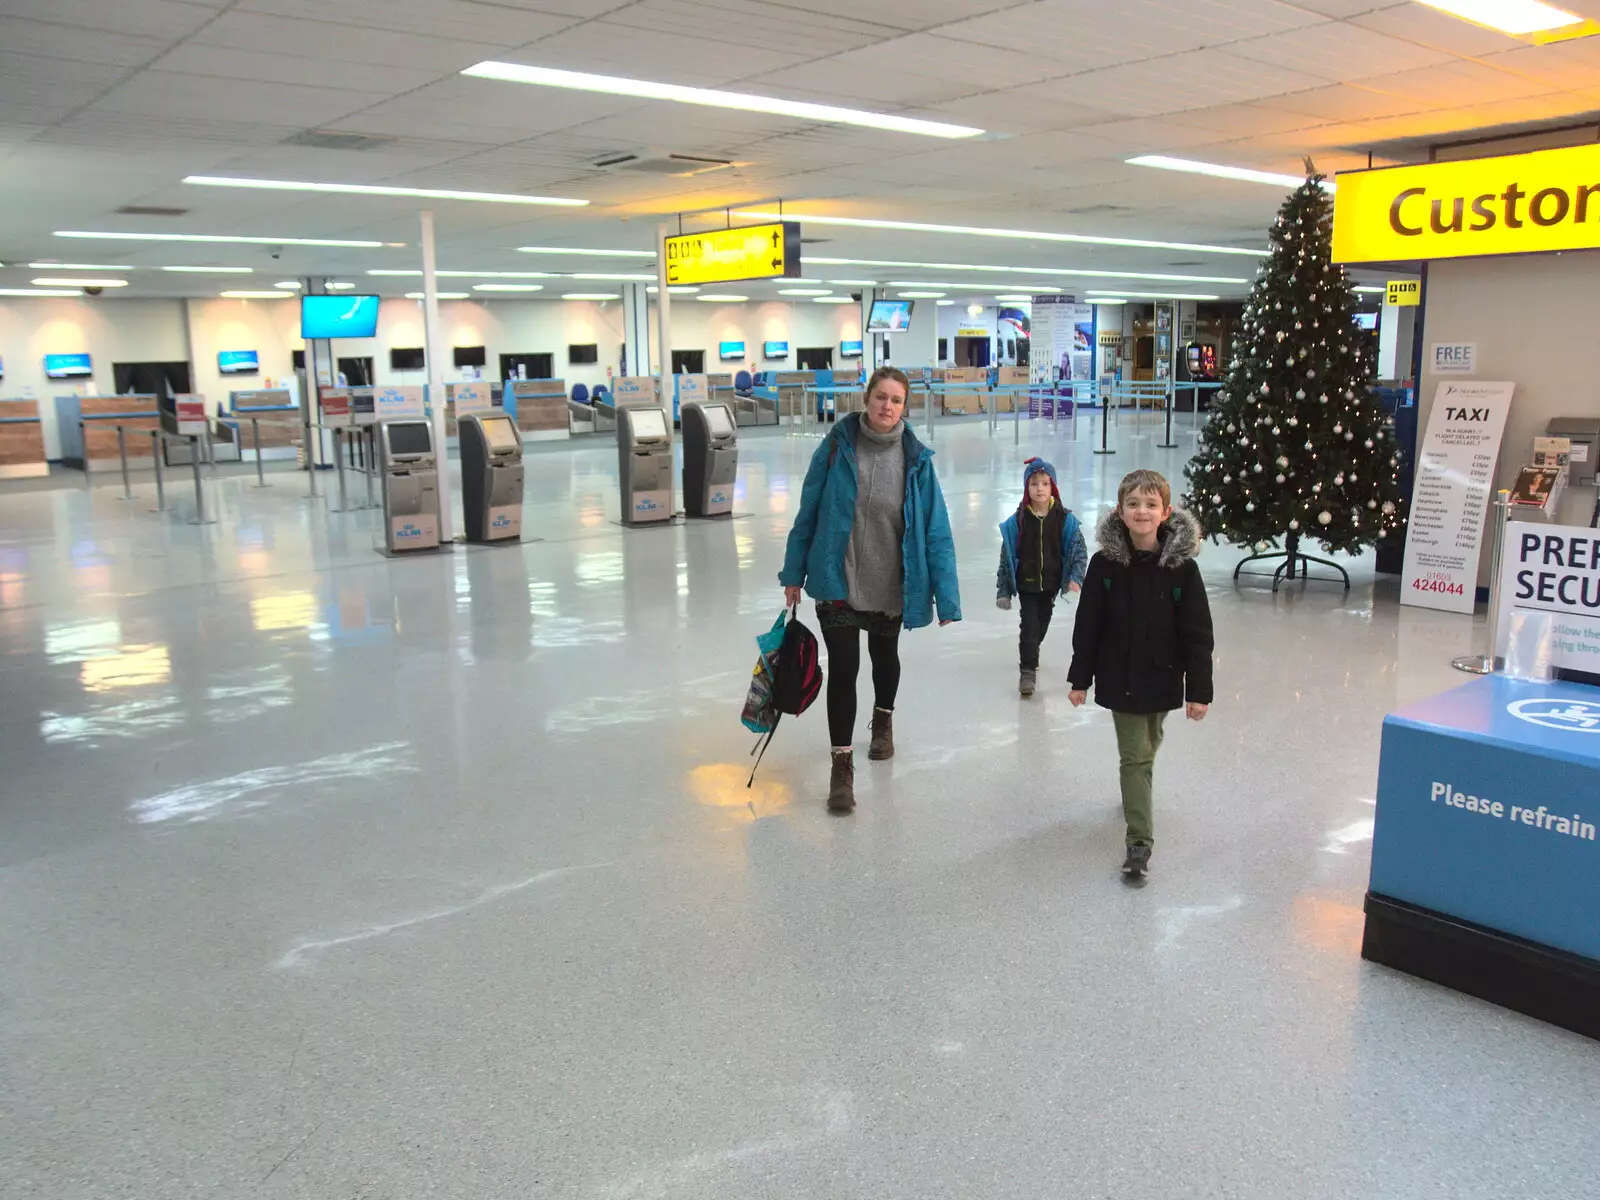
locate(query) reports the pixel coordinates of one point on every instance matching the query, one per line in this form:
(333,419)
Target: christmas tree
(1297,445)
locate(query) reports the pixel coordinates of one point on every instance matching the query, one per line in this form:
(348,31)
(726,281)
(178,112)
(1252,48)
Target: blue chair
(580,393)
(600,394)
(743,385)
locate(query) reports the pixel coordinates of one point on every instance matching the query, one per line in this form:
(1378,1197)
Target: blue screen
(776,350)
(727,350)
(67,366)
(890,316)
(338,317)
(238,362)
(849,349)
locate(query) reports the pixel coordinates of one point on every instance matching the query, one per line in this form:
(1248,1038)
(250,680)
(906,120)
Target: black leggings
(844,664)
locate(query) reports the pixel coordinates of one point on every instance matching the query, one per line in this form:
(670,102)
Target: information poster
(472,398)
(191,413)
(1554,570)
(633,389)
(396,403)
(1455,473)
(1061,346)
(335,406)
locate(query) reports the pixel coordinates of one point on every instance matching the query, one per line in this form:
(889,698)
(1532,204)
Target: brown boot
(842,787)
(882,735)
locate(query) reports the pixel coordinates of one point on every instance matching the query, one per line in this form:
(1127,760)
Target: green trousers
(1138,739)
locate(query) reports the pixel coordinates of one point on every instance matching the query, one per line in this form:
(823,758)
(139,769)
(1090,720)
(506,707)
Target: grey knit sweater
(873,568)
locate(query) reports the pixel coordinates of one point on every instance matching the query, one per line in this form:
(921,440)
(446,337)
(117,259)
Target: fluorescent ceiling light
(291,284)
(508,287)
(417,274)
(586,250)
(237,295)
(974,310)
(610,278)
(645,89)
(590,296)
(1000,270)
(365,189)
(675,290)
(723,299)
(947,303)
(985,231)
(802,291)
(921,295)
(74,282)
(54,266)
(851,282)
(1107,300)
(972,287)
(1220,171)
(1095,295)
(832,300)
(59,292)
(1010,299)
(339,286)
(221,238)
(1371,291)
(1508,16)
(438,296)
(211,270)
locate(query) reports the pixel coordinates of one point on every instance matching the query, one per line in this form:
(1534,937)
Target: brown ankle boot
(882,735)
(842,787)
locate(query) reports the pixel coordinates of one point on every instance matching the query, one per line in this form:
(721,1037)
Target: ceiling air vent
(151,210)
(1098,210)
(661,164)
(328,139)
(815,241)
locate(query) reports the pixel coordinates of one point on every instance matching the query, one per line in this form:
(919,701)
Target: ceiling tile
(1445,86)
(908,16)
(226,62)
(970,66)
(610,49)
(842,80)
(168,96)
(1430,27)
(750,23)
(483,110)
(166,20)
(1338,53)
(468,20)
(1574,64)
(43,39)
(351,46)
(1182,81)
(1345,102)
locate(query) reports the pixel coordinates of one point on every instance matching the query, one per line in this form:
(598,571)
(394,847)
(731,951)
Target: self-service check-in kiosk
(410,486)
(710,459)
(644,451)
(491,477)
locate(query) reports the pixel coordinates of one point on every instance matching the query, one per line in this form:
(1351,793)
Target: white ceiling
(105,103)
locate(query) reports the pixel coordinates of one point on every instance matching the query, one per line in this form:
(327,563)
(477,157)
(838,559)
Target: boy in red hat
(1042,554)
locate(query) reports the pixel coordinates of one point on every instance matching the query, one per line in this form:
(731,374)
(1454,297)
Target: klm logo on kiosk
(501,522)
(646,505)
(719,498)
(407,530)
(1575,716)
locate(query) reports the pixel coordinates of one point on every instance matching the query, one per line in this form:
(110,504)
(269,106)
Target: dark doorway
(357,372)
(1022,351)
(151,378)
(536,366)
(691,362)
(814,358)
(972,351)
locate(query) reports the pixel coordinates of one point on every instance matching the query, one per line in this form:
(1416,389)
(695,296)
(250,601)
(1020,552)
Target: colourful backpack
(791,680)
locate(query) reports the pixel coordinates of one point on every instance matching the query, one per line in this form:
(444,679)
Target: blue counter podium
(1486,847)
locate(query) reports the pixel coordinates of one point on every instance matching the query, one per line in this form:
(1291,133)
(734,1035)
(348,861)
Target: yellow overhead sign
(1514,204)
(729,255)
(1403,293)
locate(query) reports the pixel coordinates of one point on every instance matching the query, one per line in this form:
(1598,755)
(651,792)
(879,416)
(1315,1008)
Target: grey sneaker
(1137,863)
(842,785)
(1028,681)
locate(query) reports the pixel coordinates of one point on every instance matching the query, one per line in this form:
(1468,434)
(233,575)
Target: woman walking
(872,546)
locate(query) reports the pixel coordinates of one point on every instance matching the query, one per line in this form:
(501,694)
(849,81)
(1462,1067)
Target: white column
(869,341)
(636,328)
(664,354)
(433,349)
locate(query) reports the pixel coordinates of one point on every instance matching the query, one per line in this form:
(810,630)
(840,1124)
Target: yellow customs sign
(1515,204)
(729,255)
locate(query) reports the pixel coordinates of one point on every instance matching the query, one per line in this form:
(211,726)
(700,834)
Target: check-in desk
(539,406)
(269,414)
(87,426)
(22,453)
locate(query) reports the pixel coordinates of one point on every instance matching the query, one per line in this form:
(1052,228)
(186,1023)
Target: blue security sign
(1489,809)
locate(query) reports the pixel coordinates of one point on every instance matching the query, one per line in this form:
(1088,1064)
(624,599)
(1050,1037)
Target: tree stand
(1294,566)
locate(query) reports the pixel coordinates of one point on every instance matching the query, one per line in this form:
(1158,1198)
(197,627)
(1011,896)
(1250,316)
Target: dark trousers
(1037,609)
(844,664)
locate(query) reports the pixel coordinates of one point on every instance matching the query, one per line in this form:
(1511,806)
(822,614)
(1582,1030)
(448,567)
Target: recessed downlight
(508,287)
(251,295)
(438,296)
(217,238)
(723,299)
(73,281)
(211,270)
(590,296)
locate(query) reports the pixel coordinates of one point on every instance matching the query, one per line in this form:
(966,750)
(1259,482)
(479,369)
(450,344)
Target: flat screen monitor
(849,349)
(583,355)
(775,350)
(471,356)
(67,366)
(719,421)
(238,362)
(890,316)
(1367,321)
(500,433)
(338,317)
(407,359)
(648,423)
(730,351)
(408,437)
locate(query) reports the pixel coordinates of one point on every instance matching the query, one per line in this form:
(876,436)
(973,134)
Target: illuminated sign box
(1515,204)
(729,255)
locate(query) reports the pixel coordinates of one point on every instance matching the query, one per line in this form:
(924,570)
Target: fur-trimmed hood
(1179,538)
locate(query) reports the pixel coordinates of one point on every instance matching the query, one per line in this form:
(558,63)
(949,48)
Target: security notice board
(1455,472)
(1553,572)
(1486,846)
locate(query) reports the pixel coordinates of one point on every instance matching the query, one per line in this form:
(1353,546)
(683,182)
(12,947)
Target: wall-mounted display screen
(338,317)
(775,350)
(730,351)
(238,362)
(1367,321)
(408,437)
(407,359)
(890,316)
(849,349)
(471,356)
(583,355)
(649,423)
(500,433)
(67,366)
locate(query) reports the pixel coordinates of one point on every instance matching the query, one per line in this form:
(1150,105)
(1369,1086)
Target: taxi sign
(729,255)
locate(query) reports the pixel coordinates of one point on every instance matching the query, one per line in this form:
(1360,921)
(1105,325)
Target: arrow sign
(770,251)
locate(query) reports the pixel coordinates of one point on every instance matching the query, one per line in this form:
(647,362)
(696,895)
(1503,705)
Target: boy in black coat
(1143,638)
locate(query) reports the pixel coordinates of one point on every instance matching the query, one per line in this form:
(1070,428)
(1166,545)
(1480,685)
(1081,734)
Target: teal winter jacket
(821,534)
